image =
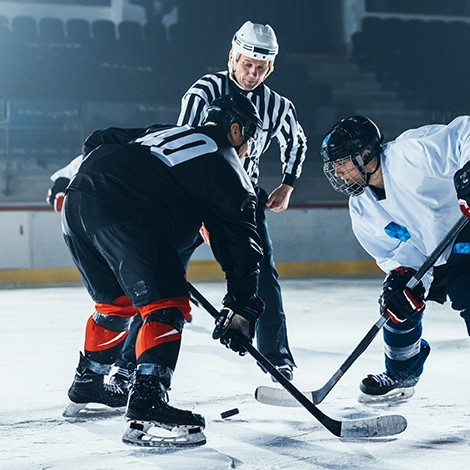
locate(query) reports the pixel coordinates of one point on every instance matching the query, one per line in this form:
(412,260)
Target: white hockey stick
(278,397)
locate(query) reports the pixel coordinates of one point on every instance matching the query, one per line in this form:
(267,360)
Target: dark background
(406,65)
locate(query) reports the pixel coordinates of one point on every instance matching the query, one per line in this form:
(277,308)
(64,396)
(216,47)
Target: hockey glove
(55,195)
(236,321)
(399,301)
(462,187)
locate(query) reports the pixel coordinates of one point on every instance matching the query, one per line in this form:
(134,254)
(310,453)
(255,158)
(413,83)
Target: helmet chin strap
(359,162)
(368,175)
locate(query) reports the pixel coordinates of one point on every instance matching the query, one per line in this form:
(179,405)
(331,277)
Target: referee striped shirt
(277,113)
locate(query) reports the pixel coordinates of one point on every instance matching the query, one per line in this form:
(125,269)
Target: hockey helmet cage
(234,108)
(356,138)
(256,41)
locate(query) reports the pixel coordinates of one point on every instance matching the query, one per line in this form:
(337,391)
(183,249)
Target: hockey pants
(458,276)
(117,257)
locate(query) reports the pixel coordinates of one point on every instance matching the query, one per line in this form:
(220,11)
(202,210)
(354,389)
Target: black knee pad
(170,316)
(112,322)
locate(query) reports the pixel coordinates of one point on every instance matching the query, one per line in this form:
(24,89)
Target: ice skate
(91,395)
(286,370)
(381,388)
(120,377)
(148,411)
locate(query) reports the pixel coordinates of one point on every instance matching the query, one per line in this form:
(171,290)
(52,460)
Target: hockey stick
(278,397)
(358,428)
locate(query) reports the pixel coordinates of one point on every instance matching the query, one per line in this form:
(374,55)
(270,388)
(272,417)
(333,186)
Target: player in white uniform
(404,198)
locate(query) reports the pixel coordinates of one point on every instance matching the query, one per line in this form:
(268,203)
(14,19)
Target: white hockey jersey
(69,170)
(421,204)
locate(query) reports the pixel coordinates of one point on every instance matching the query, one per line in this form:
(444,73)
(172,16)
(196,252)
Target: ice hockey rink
(42,332)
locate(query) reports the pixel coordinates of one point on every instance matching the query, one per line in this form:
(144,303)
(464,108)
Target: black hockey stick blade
(278,397)
(358,428)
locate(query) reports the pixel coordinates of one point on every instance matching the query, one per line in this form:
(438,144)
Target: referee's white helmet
(256,41)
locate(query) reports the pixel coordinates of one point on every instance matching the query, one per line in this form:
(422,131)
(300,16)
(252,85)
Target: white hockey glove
(55,195)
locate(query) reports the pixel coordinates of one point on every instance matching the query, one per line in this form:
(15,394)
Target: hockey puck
(227,414)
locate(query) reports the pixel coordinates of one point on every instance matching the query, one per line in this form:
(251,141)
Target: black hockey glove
(462,187)
(237,320)
(55,195)
(398,301)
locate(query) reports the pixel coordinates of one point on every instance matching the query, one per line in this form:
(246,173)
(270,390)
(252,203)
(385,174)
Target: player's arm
(236,245)
(112,135)
(60,180)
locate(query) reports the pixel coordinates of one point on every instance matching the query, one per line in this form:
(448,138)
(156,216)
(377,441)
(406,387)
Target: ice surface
(42,332)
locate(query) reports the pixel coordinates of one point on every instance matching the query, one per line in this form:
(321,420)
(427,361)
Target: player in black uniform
(136,202)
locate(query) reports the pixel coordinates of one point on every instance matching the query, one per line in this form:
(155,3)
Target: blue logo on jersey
(463,248)
(394,230)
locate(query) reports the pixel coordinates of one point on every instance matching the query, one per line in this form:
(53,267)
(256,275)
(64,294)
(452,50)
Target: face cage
(354,189)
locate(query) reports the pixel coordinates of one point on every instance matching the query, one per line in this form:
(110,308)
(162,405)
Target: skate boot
(120,378)
(381,388)
(89,387)
(286,370)
(148,408)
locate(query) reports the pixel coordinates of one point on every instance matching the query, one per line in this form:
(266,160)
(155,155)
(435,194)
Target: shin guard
(106,330)
(159,339)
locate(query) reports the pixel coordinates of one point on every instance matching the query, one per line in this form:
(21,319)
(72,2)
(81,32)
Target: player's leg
(405,355)
(157,350)
(108,325)
(458,276)
(127,357)
(126,361)
(158,288)
(271,330)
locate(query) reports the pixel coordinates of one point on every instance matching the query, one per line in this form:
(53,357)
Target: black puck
(227,414)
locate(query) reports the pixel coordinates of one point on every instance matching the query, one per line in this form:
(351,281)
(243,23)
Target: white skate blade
(137,434)
(396,395)
(90,410)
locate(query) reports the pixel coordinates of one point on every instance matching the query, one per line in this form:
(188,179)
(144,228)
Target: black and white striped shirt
(277,113)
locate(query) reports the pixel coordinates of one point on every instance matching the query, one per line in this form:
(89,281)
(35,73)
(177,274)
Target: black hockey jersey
(182,177)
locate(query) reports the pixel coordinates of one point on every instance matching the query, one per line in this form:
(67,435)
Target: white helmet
(256,41)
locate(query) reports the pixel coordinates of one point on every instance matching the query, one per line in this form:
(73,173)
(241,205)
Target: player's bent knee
(112,322)
(169,316)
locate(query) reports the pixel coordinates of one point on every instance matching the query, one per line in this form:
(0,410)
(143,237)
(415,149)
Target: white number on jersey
(174,146)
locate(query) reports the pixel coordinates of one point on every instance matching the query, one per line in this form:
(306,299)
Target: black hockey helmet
(356,138)
(234,108)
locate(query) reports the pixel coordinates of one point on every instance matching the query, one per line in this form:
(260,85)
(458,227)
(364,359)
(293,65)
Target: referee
(251,60)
